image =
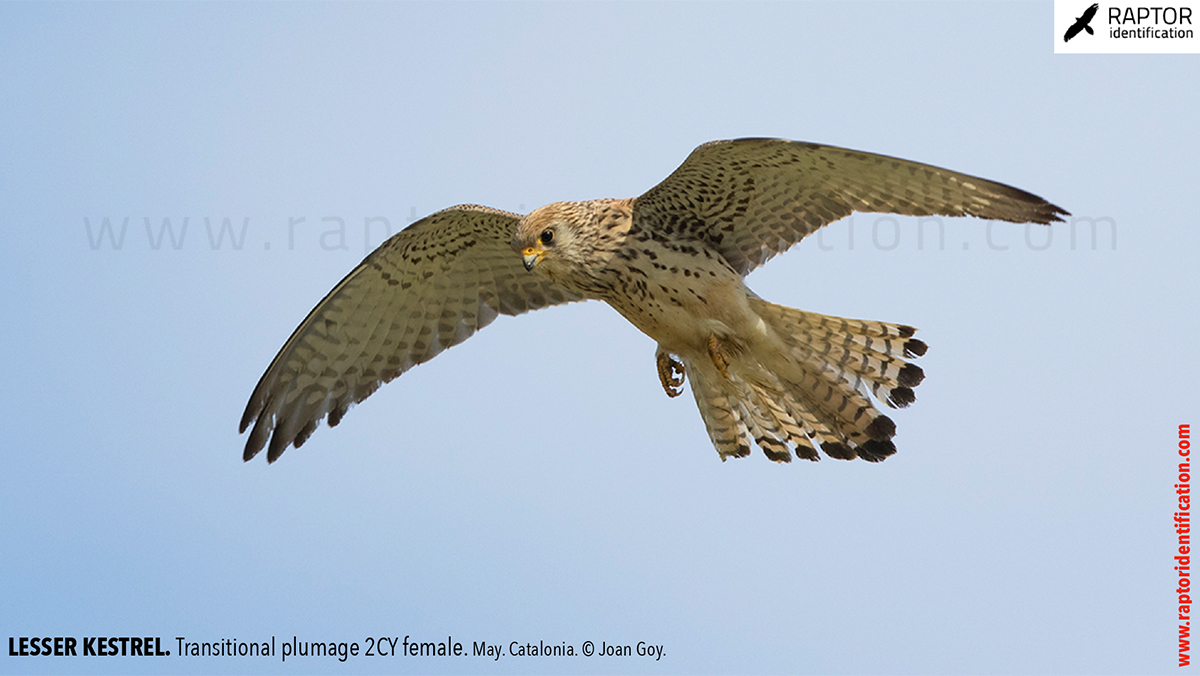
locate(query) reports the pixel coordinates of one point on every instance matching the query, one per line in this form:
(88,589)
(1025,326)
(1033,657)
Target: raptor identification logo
(1082,27)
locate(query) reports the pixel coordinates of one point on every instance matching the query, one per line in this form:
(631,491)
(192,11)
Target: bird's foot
(720,358)
(670,373)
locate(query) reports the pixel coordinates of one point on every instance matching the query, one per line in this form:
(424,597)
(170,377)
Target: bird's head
(553,240)
(572,242)
(542,234)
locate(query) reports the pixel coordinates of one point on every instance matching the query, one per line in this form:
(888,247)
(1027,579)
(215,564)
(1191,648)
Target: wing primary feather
(750,199)
(427,288)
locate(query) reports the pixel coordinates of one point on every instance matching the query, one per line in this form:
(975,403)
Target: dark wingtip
(1043,212)
(1018,206)
(248,416)
(256,440)
(1056,213)
(304,433)
(279,442)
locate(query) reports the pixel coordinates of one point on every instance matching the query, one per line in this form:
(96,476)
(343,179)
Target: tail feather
(736,411)
(722,417)
(820,394)
(793,431)
(872,352)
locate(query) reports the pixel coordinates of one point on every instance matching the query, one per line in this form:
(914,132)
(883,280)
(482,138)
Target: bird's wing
(425,289)
(750,199)
(1073,30)
(1090,12)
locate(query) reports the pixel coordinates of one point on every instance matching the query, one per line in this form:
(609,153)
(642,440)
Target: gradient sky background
(535,483)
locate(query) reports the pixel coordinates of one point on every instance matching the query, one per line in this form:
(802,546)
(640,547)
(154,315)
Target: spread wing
(425,289)
(750,199)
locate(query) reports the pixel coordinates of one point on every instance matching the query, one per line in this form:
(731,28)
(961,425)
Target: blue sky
(534,483)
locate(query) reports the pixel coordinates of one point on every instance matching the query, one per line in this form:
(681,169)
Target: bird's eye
(546,237)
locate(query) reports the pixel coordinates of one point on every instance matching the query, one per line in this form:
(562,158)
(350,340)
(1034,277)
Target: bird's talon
(670,373)
(720,358)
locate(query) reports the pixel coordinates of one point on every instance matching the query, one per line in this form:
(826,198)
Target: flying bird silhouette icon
(1081,24)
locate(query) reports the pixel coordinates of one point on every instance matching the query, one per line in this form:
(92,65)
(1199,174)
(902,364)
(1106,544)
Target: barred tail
(819,392)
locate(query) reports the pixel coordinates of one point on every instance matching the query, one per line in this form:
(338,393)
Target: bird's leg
(720,357)
(670,373)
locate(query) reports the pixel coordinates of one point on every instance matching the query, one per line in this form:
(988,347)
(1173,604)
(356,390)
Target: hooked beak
(530,256)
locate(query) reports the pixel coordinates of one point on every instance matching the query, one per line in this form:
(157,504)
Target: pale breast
(678,293)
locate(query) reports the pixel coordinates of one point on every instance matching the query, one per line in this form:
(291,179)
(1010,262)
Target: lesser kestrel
(672,262)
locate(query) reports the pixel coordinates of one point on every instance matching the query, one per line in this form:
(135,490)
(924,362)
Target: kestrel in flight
(672,262)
